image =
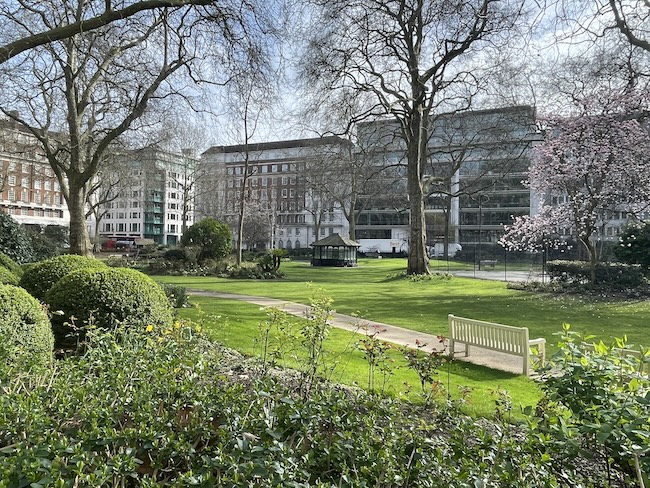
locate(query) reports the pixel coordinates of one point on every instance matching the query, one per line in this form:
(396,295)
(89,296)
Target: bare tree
(186,138)
(78,96)
(406,55)
(104,189)
(21,37)
(251,95)
(480,154)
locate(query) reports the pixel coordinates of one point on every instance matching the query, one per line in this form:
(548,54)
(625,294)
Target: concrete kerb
(388,333)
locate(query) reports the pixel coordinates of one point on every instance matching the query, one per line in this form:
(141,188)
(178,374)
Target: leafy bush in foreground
(160,407)
(108,297)
(597,403)
(24,327)
(39,278)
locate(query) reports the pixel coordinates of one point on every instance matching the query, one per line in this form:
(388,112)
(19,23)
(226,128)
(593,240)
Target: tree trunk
(593,258)
(79,238)
(418,260)
(240,229)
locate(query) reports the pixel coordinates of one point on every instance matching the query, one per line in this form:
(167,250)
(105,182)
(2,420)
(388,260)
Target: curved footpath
(388,333)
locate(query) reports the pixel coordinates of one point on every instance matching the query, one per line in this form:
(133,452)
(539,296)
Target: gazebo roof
(335,240)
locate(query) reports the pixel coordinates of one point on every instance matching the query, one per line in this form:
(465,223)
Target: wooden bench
(496,337)
(488,262)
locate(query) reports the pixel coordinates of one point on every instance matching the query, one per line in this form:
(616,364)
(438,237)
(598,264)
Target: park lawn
(237,325)
(375,290)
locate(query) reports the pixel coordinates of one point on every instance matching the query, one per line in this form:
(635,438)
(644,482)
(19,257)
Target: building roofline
(286,144)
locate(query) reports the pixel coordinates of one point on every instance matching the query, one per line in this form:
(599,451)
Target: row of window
(34,197)
(37,184)
(263,181)
(265,168)
(36,212)
(28,167)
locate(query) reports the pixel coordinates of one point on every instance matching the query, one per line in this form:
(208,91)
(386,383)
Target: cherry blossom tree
(589,165)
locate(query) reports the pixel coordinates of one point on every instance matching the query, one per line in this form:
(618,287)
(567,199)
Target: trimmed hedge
(10,264)
(39,278)
(111,296)
(615,275)
(7,277)
(25,328)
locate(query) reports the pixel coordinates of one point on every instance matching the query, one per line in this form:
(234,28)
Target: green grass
(236,324)
(376,290)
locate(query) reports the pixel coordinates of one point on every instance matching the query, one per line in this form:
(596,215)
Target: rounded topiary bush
(10,264)
(111,296)
(7,277)
(24,326)
(40,277)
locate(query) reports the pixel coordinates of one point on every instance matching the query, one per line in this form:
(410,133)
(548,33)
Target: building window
(284,193)
(12,180)
(37,184)
(322,231)
(135,227)
(23,182)
(48,185)
(12,195)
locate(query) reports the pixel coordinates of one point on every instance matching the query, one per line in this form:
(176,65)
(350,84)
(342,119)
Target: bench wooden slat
(496,337)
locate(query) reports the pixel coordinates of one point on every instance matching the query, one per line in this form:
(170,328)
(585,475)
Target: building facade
(148,195)
(275,184)
(473,181)
(29,189)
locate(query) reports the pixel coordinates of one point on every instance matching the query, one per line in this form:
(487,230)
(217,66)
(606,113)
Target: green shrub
(153,407)
(7,277)
(176,294)
(597,402)
(211,237)
(608,275)
(11,265)
(108,296)
(24,326)
(14,241)
(39,278)
(176,254)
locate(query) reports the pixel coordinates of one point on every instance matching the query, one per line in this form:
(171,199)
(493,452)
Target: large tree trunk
(79,238)
(418,259)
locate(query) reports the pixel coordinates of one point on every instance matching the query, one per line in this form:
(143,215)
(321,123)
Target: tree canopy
(589,166)
(213,238)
